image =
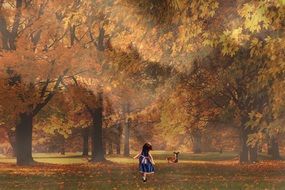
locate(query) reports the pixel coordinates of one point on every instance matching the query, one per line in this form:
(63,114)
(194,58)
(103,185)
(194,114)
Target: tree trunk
(62,145)
(118,138)
(253,154)
(197,143)
(275,149)
(85,136)
(269,148)
(97,135)
(244,149)
(110,148)
(97,139)
(259,149)
(12,140)
(62,150)
(127,138)
(24,139)
(118,148)
(243,157)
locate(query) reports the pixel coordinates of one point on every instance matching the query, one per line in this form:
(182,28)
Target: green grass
(202,171)
(159,156)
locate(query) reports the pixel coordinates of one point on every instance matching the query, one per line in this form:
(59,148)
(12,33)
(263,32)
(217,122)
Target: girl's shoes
(144,179)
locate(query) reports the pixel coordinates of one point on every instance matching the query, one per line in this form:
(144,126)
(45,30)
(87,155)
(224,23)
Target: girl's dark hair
(146,148)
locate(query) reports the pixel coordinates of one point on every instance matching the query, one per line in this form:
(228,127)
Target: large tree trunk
(85,136)
(253,154)
(275,149)
(243,157)
(127,138)
(97,132)
(244,149)
(24,130)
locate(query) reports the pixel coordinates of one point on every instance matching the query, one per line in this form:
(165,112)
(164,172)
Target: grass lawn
(200,171)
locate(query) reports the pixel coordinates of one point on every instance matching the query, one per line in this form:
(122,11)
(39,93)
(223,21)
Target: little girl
(145,161)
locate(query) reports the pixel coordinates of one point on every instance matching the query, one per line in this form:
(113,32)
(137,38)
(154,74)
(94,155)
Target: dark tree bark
(24,130)
(62,145)
(244,149)
(243,157)
(5,33)
(97,132)
(275,149)
(127,138)
(118,148)
(253,154)
(85,137)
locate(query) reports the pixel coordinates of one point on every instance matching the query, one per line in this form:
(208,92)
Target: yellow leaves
(282,2)
(247,9)
(179,4)
(233,40)
(204,8)
(230,41)
(236,34)
(255,16)
(255,118)
(256,47)
(274,51)
(56,124)
(210,39)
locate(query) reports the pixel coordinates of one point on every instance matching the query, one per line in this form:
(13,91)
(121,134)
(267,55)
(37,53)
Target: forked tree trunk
(24,130)
(85,137)
(97,132)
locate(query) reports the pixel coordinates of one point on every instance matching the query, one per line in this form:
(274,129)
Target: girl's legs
(144,177)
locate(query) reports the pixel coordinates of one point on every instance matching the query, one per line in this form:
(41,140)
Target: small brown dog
(173,159)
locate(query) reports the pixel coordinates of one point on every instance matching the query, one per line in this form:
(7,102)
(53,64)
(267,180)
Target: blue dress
(145,165)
